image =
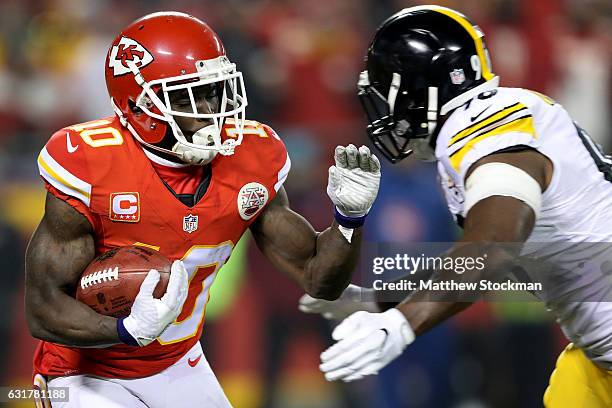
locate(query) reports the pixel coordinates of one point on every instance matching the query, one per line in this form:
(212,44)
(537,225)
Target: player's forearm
(328,272)
(386,300)
(422,315)
(51,313)
(64,320)
(425,309)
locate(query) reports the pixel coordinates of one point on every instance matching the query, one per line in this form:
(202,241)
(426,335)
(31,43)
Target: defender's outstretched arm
(369,341)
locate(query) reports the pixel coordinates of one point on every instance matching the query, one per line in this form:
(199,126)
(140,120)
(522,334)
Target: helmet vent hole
(140,27)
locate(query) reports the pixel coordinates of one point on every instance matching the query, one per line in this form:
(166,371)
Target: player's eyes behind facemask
(203,99)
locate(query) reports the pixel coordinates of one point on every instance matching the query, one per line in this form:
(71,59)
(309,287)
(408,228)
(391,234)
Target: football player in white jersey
(514,168)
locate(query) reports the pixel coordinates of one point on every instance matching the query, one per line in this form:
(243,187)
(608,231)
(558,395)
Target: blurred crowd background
(300,60)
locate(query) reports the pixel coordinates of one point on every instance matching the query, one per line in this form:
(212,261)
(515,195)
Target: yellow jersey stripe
(60,179)
(489,120)
(90,125)
(142,244)
(519,125)
(477,37)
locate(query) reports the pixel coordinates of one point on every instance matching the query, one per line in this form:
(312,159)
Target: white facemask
(207,136)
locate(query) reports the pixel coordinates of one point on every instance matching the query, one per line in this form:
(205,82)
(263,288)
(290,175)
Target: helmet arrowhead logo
(125,53)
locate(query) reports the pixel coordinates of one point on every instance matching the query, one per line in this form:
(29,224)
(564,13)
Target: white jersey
(576,212)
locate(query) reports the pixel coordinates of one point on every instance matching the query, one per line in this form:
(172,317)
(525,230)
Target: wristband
(124,334)
(348,222)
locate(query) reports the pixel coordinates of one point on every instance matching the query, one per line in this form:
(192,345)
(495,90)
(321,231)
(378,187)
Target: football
(111,282)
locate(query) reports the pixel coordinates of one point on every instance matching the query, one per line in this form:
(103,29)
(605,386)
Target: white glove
(366,343)
(353,182)
(351,301)
(149,316)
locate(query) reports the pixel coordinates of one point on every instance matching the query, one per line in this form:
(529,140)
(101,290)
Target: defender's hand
(353,182)
(149,316)
(366,343)
(352,300)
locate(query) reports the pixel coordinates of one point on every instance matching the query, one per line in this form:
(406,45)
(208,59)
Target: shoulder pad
(262,149)
(485,125)
(64,162)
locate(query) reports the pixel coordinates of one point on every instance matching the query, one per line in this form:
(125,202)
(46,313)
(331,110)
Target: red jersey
(182,179)
(103,172)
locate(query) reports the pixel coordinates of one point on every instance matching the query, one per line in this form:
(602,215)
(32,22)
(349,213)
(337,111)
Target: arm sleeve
(75,203)
(63,166)
(279,158)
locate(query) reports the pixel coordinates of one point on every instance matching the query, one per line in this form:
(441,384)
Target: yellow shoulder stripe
(62,179)
(489,120)
(59,178)
(520,125)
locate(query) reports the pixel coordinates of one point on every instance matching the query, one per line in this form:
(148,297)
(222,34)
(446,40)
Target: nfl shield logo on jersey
(251,198)
(190,223)
(457,76)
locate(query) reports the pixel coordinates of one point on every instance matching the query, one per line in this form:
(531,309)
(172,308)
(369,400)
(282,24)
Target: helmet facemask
(155,101)
(402,122)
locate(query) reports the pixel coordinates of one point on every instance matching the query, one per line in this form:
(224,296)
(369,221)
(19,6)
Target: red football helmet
(165,52)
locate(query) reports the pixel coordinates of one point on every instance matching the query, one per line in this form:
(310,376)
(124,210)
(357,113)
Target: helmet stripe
(477,37)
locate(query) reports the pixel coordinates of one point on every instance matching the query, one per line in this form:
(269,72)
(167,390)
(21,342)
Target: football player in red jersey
(178,169)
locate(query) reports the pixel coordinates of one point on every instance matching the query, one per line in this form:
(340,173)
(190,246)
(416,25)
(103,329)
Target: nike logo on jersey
(194,362)
(69,146)
(477,116)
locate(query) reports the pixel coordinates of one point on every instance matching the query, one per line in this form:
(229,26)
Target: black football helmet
(422,63)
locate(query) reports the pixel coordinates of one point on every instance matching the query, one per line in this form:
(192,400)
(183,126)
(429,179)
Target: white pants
(180,385)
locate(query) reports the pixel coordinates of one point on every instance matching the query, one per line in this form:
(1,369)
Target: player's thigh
(91,392)
(188,383)
(192,382)
(578,383)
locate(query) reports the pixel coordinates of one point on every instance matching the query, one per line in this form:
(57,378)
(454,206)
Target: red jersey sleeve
(279,161)
(62,164)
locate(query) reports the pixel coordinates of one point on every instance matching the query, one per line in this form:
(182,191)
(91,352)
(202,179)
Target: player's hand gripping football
(366,342)
(353,181)
(353,299)
(149,316)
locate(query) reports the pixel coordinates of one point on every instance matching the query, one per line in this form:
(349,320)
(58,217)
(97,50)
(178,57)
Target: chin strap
(200,157)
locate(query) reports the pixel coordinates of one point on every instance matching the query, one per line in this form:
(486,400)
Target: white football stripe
(282,174)
(62,179)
